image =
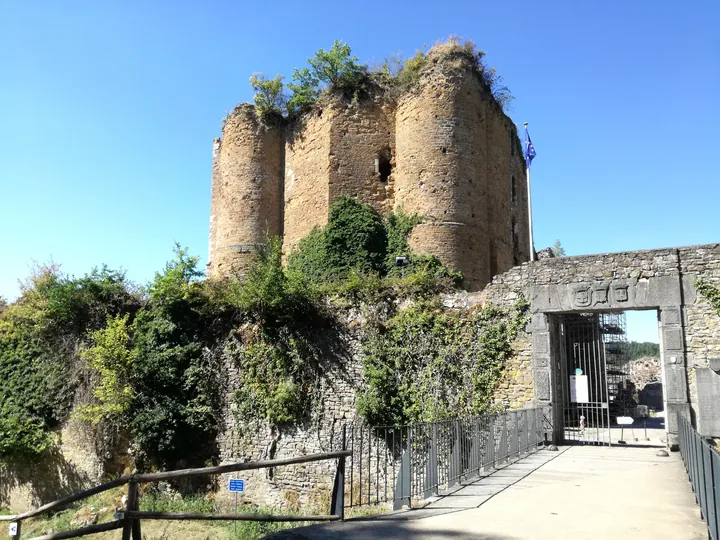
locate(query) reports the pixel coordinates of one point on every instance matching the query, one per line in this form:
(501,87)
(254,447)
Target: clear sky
(108,110)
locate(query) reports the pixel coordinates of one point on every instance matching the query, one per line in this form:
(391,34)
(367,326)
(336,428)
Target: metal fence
(702,463)
(401,464)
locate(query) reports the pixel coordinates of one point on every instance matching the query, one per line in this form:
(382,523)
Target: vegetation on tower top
(337,71)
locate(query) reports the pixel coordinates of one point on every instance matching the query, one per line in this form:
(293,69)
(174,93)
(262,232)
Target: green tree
(112,359)
(557,249)
(270,99)
(334,69)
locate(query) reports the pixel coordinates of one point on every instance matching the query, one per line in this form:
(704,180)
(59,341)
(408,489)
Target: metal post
(337,507)
(527,170)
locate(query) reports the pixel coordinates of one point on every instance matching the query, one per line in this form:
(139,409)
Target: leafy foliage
(557,249)
(39,334)
(176,410)
(711,292)
(358,244)
(637,350)
(113,361)
(270,99)
(334,69)
(426,364)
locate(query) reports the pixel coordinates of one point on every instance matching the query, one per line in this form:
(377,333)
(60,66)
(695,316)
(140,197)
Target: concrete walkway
(581,492)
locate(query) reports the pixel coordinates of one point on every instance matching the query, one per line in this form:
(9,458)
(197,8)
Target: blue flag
(529,149)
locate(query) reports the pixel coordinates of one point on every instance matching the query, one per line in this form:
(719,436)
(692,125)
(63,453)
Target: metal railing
(129,520)
(702,463)
(401,464)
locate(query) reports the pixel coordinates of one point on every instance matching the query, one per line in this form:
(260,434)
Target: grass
(105,503)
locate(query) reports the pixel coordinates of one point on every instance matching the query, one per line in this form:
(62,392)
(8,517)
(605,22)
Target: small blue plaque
(236,486)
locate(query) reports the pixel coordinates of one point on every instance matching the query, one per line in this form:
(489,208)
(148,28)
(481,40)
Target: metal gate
(593,384)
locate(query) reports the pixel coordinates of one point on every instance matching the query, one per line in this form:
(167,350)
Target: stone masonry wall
(362,152)
(307,175)
(702,335)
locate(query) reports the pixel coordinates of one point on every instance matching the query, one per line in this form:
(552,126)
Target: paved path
(578,493)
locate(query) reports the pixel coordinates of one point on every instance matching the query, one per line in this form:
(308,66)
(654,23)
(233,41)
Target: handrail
(702,463)
(131,517)
(70,499)
(247,466)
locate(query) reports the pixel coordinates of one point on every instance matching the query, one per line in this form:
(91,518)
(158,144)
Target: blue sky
(108,111)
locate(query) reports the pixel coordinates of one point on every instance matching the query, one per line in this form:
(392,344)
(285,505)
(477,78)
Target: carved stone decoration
(582,296)
(600,295)
(620,293)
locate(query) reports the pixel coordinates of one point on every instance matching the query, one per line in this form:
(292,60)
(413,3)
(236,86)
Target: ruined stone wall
(72,463)
(246,199)
(307,174)
(444,150)
(305,484)
(362,153)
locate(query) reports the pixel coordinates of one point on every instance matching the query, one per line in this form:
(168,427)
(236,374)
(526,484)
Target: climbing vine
(711,292)
(427,364)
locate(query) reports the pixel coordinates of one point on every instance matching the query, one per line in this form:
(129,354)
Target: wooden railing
(130,519)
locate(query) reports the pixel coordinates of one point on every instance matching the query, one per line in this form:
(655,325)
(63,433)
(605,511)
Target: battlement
(443,149)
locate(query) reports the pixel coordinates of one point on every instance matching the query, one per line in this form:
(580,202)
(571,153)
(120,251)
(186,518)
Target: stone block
(670,315)
(541,343)
(675,384)
(708,397)
(542,385)
(672,339)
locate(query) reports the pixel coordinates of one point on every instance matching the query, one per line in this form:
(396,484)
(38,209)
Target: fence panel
(702,463)
(401,464)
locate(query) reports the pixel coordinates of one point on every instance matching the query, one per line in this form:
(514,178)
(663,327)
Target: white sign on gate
(579,392)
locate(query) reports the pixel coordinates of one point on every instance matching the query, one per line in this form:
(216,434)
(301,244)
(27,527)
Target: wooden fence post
(130,505)
(18,525)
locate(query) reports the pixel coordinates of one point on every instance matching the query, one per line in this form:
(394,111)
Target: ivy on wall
(710,292)
(427,364)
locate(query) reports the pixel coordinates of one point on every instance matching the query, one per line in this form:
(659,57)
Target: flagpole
(527,172)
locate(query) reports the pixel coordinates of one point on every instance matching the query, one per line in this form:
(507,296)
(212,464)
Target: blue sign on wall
(236,486)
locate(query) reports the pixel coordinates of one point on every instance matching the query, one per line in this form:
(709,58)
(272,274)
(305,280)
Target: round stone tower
(246,205)
(440,164)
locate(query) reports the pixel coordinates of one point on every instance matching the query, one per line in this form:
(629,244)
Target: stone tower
(246,200)
(444,149)
(459,166)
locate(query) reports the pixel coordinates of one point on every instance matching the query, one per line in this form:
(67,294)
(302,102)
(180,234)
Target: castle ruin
(444,150)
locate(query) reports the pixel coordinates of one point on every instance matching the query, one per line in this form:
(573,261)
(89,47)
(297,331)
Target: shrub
(113,361)
(270,99)
(354,240)
(39,336)
(334,69)
(178,390)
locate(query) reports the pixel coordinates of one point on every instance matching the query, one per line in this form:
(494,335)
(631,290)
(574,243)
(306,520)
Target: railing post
(337,506)
(131,528)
